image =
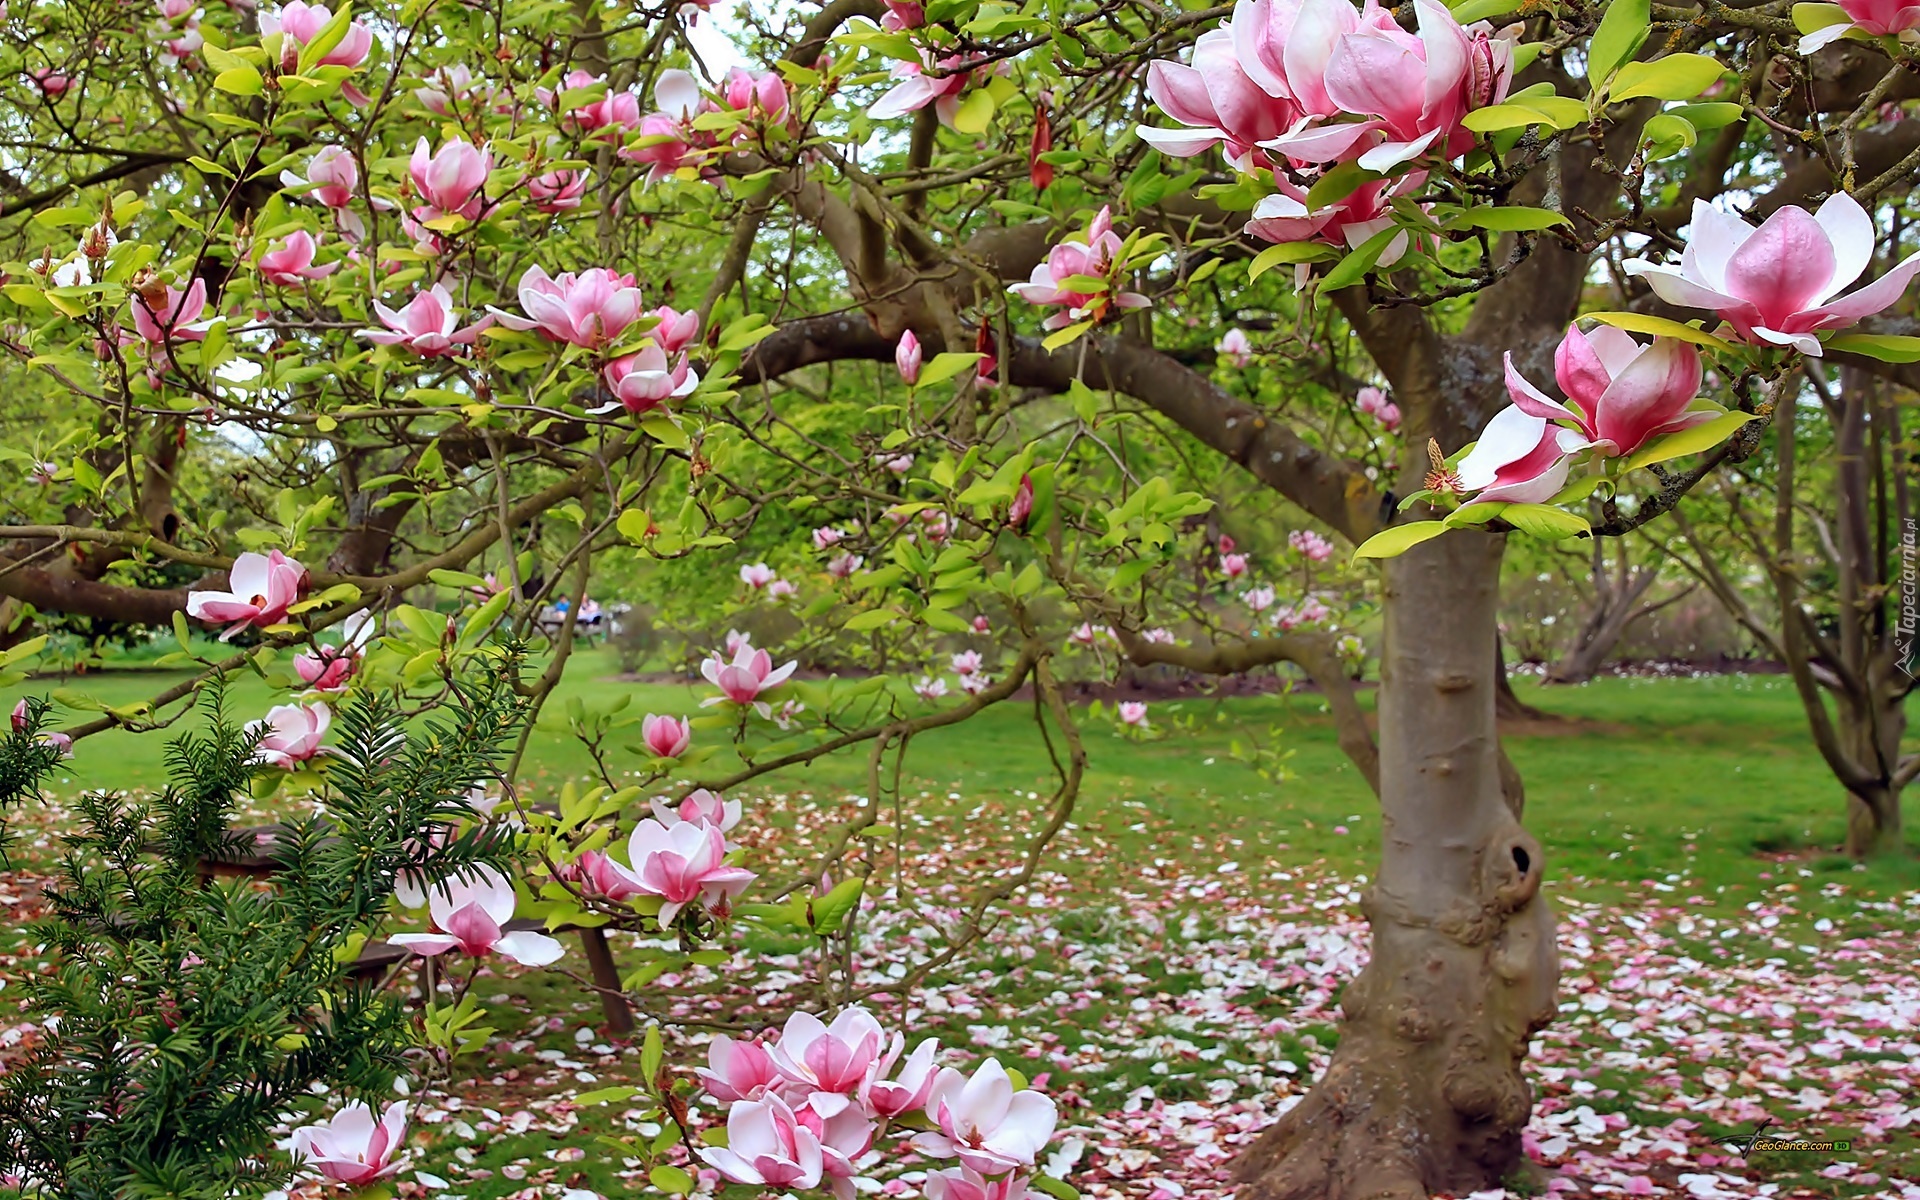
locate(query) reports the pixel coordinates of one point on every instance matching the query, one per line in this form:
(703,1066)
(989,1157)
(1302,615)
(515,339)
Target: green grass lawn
(1648,778)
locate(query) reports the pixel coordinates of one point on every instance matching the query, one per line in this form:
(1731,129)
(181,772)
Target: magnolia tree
(403,325)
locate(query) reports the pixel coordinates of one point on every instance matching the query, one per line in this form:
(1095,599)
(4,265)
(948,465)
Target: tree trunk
(1425,1093)
(1871,734)
(1602,632)
(1873,821)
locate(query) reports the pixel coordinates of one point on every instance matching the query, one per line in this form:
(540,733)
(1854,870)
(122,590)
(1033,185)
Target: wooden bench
(376,958)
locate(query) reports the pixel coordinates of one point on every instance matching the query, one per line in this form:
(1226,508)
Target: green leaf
(240,81)
(944,367)
(665,430)
(975,114)
(1660,327)
(1675,77)
(1704,436)
(1666,135)
(1399,539)
(1514,219)
(1354,267)
(1287,252)
(1811,18)
(1712,114)
(871,619)
(1545,521)
(1621,31)
(1061,337)
(1558,111)
(1475,514)
(1056,1188)
(331,34)
(455,579)
(606,1095)
(1470,11)
(1887,347)
(1337,184)
(207,166)
(671,1180)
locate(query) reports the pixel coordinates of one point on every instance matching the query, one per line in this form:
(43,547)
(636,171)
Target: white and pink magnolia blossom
(1520,458)
(556,191)
(845,1134)
(761,94)
(667,737)
(1779,284)
(982,1121)
(352,1148)
(290,262)
(262,587)
(1875,18)
(903,15)
(1369,400)
(1094,257)
(331,178)
(53,83)
(174,316)
(937,82)
(647,379)
(667,138)
(1258,600)
(840,566)
(757,575)
(43,473)
(450,87)
(930,688)
(967,662)
(840,1058)
(598,873)
(701,807)
(426,325)
(675,330)
(735,640)
(911,1086)
(738,1070)
(22,715)
(290,733)
(682,863)
(1345,224)
(617,111)
(767,1146)
(1133,712)
(783,589)
(470,914)
(299,24)
(1088,633)
(451,179)
(1233,566)
(1158,635)
(974,684)
(590,310)
(1623,394)
(897,464)
(1310,544)
(1310,611)
(1234,347)
(960,1183)
(907,358)
(327,668)
(826,537)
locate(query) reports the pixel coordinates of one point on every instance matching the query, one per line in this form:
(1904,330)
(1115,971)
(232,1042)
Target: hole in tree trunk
(1522,859)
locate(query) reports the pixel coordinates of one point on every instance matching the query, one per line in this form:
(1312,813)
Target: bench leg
(607,975)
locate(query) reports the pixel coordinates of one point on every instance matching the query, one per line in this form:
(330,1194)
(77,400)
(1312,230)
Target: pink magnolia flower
(735,640)
(1233,566)
(1389,416)
(903,15)
(1086,634)
(840,566)
(291,733)
(300,23)
(1133,712)
(682,863)
(63,742)
(990,1127)
(702,807)
(1345,224)
(781,589)
(327,668)
(291,261)
(50,81)
(596,872)
(967,662)
(743,680)
(1092,258)
(898,464)
(1158,634)
(756,575)
(1311,544)
(1218,100)
(425,325)
(981,624)
(763,94)
(1414,89)
(22,715)
(263,586)
(675,330)
(906,357)
(331,174)
(738,1070)
(470,915)
(917,89)
(43,473)
(647,379)
(826,537)
(960,1183)
(590,310)
(1876,18)
(1235,348)
(450,180)
(1778,284)
(613,110)
(667,138)
(180,42)
(767,1146)
(352,1148)
(911,1086)
(556,191)
(837,1058)
(1624,394)
(845,1135)
(1520,458)
(1369,400)
(930,688)
(1021,507)
(451,87)
(174,316)
(667,737)
(973,685)
(1258,600)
